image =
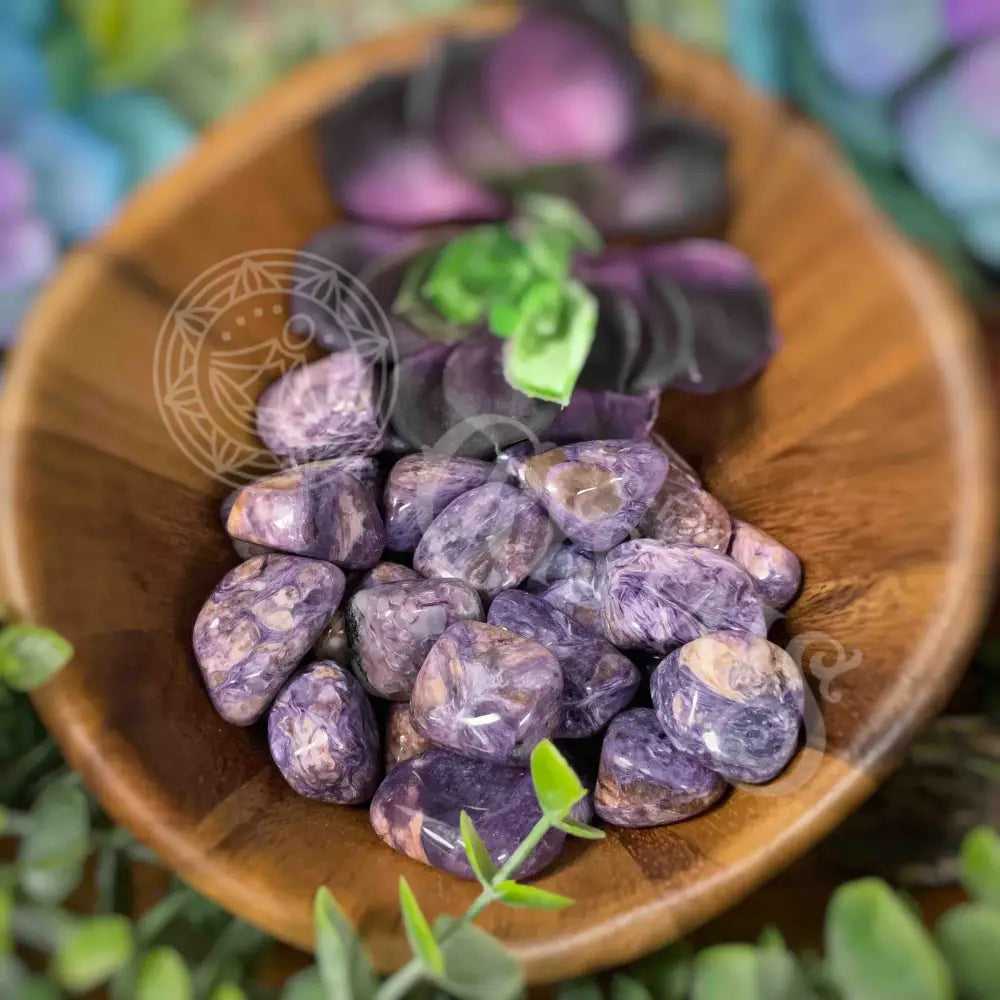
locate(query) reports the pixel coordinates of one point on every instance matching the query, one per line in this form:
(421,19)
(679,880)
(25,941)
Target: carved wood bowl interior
(867,447)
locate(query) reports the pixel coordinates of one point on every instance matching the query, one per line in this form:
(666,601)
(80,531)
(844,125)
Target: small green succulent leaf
(93,951)
(530,897)
(665,973)
(560,215)
(969,938)
(476,851)
(344,967)
(306,985)
(163,975)
(557,787)
(30,656)
(577,829)
(726,971)
(39,988)
(476,965)
(52,854)
(624,987)
(418,931)
(580,989)
(6,917)
(981,865)
(877,949)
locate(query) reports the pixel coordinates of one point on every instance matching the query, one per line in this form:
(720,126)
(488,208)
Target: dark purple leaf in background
(593,415)
(617,342)
(418,414)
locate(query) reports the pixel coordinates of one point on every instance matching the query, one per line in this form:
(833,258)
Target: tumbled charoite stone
(490,537)
(644,780)
(245,550)
(325,409)
(418,807)
(332,641)
(775,569)
(682,512)
(402,741)
(578,599)
(657,596)
(311,510)
(598,681)
(487,693)
(733,701)
(419,487)
(596,491)
(387,572)
(563,561)
(679,465)
(391,629)
(323,736)
(257,625)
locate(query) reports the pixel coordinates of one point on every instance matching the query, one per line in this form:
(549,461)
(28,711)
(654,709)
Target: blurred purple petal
(593,415)
(977,86)
(971,18)
(29,251)
(617,343)
(381,171)
(17,187)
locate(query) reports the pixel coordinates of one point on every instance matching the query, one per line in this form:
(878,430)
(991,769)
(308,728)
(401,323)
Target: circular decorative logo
(241,325)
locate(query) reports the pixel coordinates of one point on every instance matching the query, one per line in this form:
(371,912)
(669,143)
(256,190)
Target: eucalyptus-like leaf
(475,850)
(306,985)
(579,989)
(724,972)
(30,656)
(779,974)
(624,987)
(476,965)
(665,973)
(418,931)
(38,988)
(969,938)
(92,952)
(877,949)
(577,829)
(163,975)
(530,897)
(545,211)
(557,787)
(344,967)
(227,991)
(981,865)
(52,854)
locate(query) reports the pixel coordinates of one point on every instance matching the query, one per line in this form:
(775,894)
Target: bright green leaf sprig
(516,278)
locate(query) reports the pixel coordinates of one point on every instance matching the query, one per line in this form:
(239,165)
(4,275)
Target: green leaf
(6,916)
(344,967)
(304,986)
(30,656)
(561,216)
(725,972)
(418,931)
(476,965)
(878,950)
(92,952)
(557,787)
(624,987)
(579,989)
(969,938)
(981,865)
(52,855)
(779,974)
(229,991)
(577,829)
(475,850)
(666,973)
(163,975)
(39,988)
(530,897)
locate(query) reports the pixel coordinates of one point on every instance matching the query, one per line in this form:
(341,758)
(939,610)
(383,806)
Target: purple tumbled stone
(491,537)
(596,491)
(657,596)
(402,741)
(391,629)
(245,550)
(257,625)
(578,599)
(563,561)
(679,465)
(774,569)
(326,409)
(598,681)
(420,487)
(685,513)
(332,641)
(323,736)
(387,572)
(311,510)
(488,693)
(417,811)
(644,780)
(733,701)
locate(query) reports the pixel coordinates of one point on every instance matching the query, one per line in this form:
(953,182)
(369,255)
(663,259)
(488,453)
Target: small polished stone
(245,550)
(596,491)
(598,681)
(332,641)
(402,741)
(417,811)
(577,599)
(419,487)
(734,701)
(488,693)
(323,736)
(656,596)
(679,465)
(311,510)
(775,569)
(644,780)
(256,627)
(392,627)
(563,561)
(491,537)
(326,409)
(684,513)
(387,572)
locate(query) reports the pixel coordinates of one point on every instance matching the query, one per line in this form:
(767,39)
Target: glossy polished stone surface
(577,599)
(387,572)
(775,569)
(402,741)
(332,641)
(683,513)
(563,561)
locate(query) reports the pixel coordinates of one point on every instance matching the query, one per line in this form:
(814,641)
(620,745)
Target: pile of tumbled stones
(432,618)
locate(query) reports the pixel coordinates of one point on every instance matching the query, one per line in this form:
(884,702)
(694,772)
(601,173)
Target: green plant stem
(155,920)
(15,777)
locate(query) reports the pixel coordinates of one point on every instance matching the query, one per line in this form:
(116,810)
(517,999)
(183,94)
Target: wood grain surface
(867,447)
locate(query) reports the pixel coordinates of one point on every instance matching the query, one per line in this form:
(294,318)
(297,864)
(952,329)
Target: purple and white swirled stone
(488,693)
(563,561)
(656,596)
(323,736)
(387,572)
(402,741)
(577,599)
(733,701)
(644,780)
(683,513)
(598,681)
(256,627)
(775,570)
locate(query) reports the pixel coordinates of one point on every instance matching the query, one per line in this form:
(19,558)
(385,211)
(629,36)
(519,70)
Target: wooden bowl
(867,447)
